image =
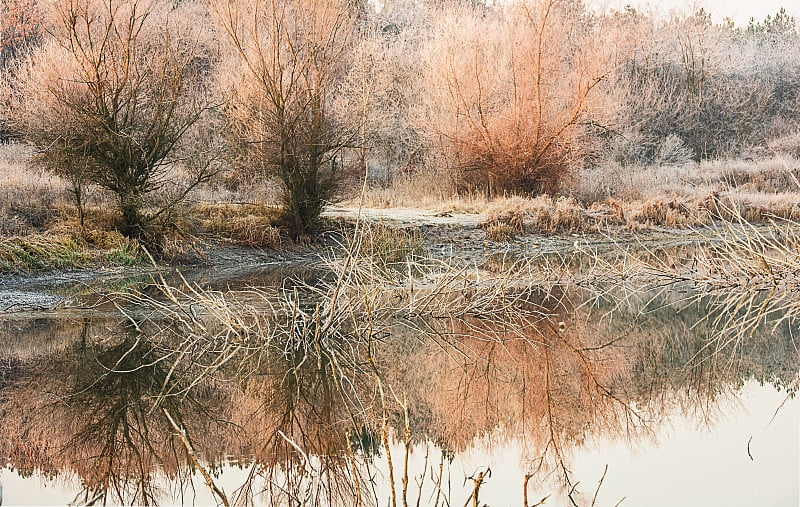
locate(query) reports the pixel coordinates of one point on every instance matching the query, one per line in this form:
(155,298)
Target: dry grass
(388,246)
(505,219)
(613,195)
(638,183)
(501,232)
(561,215)
(249,224)
(546,215)
(29,199)
(427,188)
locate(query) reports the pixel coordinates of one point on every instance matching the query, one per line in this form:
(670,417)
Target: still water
(599,400)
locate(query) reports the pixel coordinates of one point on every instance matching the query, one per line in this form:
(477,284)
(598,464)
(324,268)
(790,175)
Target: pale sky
(739,10)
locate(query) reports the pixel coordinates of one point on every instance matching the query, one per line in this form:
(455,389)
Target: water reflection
(306,418)
(95,409)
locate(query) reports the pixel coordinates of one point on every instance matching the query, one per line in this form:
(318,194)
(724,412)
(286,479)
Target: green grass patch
(43,252)
(122,251)
(39,252)
(116,249)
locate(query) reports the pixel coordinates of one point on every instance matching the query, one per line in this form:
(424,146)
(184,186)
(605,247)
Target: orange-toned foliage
(20,26)
(511,91)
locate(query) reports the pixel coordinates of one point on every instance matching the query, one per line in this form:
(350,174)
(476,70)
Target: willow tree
(510,90)
(115,94)
(287,57)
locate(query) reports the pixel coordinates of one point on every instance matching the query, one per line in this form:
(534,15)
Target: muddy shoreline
(446,236)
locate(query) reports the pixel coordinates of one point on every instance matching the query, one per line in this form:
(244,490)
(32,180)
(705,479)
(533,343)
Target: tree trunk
(78,195)
(131,218)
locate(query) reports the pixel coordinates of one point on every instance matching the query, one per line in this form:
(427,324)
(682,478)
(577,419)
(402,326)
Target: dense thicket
(512,98)
(699,90)
(501,98)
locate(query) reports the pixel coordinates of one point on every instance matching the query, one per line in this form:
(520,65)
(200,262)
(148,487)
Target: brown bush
(112,99)
(510,89)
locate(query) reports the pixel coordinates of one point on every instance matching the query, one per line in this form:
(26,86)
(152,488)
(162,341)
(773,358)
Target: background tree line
(146,100)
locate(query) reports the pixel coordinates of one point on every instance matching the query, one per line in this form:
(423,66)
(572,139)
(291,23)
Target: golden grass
(505,218)
(249,225)
(637,182)
(19,183)
(630,197)
(388,246)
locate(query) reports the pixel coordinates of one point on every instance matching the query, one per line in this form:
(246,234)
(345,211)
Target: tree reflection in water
(92,409)
(302,405)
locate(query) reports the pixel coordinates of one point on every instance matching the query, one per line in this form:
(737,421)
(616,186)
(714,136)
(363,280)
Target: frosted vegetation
(141,105)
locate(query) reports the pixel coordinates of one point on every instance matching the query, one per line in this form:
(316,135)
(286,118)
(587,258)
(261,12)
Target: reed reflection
(307,407)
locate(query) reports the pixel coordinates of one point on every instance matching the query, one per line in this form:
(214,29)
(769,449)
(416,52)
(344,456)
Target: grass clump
(253,230)
(44,252)
(389,246)
(505,218)
(125,252)
(562,215)
(117,249)
(500,232)
(41,252)
(250,225)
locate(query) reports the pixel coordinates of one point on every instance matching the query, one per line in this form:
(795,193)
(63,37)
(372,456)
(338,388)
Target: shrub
(510,90)
(287,57)
(112,98)
(692,87)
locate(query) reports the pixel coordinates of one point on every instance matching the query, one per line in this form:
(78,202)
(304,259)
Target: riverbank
(395,233)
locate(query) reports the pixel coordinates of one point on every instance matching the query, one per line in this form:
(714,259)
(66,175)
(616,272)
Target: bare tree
(287,58)
(511,88)
(114,96)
